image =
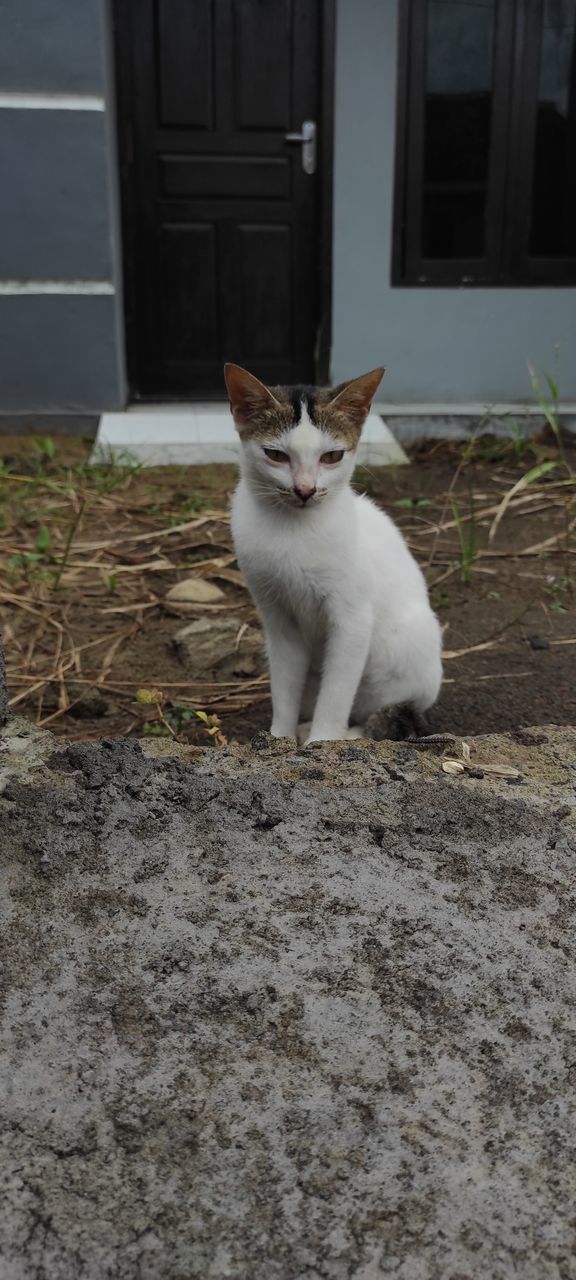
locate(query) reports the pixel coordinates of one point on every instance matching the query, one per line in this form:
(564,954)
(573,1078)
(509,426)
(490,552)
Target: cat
(348,625)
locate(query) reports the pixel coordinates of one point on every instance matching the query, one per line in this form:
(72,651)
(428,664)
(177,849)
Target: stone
(220,648)
(185,596)
(86,702)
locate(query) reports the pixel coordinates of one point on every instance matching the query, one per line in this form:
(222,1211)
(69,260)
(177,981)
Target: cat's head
(299,443)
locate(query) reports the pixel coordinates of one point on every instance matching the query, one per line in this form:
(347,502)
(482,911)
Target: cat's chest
(293,576)
(298,565)
(293,573)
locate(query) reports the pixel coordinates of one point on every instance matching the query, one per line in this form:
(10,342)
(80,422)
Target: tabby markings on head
(263,413)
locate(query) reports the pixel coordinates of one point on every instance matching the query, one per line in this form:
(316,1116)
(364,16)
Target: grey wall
(438,345)
(53,45)
(61,341)
(58,354)
(54,212)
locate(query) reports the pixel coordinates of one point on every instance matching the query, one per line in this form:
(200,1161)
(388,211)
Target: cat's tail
(396,724)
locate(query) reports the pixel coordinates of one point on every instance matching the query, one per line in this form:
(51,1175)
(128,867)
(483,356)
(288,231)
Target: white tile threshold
(191,435)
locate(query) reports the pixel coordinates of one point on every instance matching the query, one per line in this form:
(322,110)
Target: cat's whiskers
(273,496)
(260,486)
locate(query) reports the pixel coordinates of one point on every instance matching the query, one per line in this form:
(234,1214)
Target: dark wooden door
(224,231)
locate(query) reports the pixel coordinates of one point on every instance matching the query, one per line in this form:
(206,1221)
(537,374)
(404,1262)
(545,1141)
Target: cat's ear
(247,395)
(355,397)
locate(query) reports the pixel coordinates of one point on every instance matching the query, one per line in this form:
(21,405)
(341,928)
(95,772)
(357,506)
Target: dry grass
(107,537)
(88,553)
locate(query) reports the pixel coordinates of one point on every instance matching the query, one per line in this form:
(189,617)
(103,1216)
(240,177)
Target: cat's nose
(305,492)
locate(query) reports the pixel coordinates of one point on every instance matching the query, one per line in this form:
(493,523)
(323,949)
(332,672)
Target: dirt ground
(86,562)
(287,1015)
(272,1013)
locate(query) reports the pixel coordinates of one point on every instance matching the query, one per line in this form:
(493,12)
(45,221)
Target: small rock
(395,774)
(537,642)
(192,591)
(528,738)
(222,648)
(87,703)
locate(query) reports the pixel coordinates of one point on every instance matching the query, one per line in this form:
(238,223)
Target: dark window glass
(486,180)
(553,222)
(457,126)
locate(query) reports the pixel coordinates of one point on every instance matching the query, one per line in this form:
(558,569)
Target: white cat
(349,628)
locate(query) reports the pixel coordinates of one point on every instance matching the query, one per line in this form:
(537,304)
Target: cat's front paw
(281,731)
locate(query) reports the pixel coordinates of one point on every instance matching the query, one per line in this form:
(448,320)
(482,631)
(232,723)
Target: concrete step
(190,435)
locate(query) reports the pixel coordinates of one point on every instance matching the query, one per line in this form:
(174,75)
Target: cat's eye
(333,455)
(276,455)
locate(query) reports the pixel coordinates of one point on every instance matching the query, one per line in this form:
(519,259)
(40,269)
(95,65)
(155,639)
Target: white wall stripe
(15,287)
(51,102)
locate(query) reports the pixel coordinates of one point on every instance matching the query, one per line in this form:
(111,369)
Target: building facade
(155,219)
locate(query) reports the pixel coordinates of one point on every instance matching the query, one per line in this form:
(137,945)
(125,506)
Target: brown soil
(518,600)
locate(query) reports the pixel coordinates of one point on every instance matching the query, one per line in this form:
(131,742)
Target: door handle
(308,140)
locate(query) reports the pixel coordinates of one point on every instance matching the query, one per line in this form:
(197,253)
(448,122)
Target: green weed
(29,566)
(172,719)
(559,589)
(43,451)
(467,539)
(548,400)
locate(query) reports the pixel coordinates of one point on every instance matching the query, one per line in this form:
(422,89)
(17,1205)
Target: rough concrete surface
(3,689)
(280,1013)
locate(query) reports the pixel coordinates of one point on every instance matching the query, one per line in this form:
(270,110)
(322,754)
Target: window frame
(516,71)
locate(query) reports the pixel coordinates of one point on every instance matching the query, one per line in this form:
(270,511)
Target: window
(486,166)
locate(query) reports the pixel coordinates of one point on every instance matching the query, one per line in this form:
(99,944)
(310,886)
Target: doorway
(225,135)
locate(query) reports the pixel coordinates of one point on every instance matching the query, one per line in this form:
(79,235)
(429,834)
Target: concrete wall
(61,344)
(439,345)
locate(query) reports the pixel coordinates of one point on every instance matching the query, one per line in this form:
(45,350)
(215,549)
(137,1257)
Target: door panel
(222,224)
(185,40)
(262,64)
(189,299)
(264,256)
(223,176)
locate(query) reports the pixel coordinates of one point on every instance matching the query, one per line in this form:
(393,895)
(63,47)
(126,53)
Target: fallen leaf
(453,766)
(501,770)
